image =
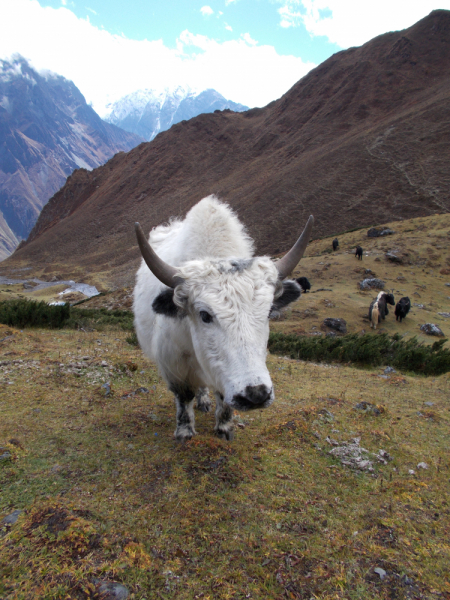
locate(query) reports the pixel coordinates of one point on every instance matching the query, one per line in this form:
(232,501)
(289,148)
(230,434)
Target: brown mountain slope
(362,139)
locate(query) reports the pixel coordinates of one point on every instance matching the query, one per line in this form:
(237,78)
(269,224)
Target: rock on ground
(432,329)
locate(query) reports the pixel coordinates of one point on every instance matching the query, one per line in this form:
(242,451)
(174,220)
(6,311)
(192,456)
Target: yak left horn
(288,263)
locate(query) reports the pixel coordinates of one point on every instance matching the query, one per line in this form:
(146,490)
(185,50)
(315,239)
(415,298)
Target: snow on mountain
(147,112)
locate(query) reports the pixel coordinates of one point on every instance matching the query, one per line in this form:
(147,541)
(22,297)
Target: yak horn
(288,263)
(164,272)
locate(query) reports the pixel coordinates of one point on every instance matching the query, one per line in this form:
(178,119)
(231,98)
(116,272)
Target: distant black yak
(359,252)
(402,308)
(335,244)
(303,283)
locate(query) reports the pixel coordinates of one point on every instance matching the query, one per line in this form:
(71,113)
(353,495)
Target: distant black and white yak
(402,308)
(303,283)
(202,304)
(359,252)
(382,300)
(335,244)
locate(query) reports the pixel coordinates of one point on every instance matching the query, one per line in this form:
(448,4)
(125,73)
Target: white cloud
(228,27)
(352,23)
(91,10)
(248,38)
(106,67)
(206,11)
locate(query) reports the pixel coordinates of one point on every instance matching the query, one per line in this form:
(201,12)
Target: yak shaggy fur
(212,330)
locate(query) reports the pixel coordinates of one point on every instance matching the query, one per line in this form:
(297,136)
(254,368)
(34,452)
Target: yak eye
(205,316)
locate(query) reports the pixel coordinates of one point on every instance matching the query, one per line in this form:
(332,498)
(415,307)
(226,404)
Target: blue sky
(251,51)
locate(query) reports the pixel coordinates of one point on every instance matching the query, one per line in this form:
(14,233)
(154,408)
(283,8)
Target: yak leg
(203,401)
(184,401)
(224,416)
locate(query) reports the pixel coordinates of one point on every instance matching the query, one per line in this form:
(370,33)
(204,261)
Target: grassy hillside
(88,456)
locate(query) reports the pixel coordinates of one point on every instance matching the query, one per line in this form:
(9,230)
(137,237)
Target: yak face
(227,304)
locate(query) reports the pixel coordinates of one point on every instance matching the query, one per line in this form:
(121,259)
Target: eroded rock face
(432,329)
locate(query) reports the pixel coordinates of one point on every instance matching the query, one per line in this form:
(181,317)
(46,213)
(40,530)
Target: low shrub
(367,350)
(29,313)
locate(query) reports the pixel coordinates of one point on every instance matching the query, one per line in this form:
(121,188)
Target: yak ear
(163,304)
(291,292)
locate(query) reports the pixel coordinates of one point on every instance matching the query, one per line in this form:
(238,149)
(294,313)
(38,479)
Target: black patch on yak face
(291,293)
(163,304)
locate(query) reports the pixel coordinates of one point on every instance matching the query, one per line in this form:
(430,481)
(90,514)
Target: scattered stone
(110,590)
(373,283)
(327,414)
(411,472)
(331,334)
(367,407)
(383,457)
(85,358)
(429,403)
(445,314)
(11,518)
(422,465)
(142,390)
(351,455)
(5,456)
(381,572)
(374,232)
(394,257)
(432,329)
(336,324)
(331,441)
(389,370)
(104,363)
(107,388)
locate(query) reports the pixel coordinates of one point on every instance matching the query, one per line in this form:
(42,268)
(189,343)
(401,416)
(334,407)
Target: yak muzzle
(254,396)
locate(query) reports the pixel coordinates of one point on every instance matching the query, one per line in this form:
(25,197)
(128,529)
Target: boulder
(339,325)
(432,329)
(373,283)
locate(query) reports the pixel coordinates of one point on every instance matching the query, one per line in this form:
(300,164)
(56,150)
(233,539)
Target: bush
(366,350)
(28,313)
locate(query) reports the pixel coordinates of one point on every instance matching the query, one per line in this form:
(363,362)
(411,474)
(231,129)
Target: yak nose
(254,396)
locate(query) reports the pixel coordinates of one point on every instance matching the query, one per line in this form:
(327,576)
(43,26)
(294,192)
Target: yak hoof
(204,405)
(184,433)
(225,434)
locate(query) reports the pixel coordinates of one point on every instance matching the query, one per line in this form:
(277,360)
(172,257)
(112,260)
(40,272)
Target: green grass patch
(367,350)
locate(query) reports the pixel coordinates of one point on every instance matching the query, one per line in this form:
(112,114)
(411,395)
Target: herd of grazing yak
(379,307)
